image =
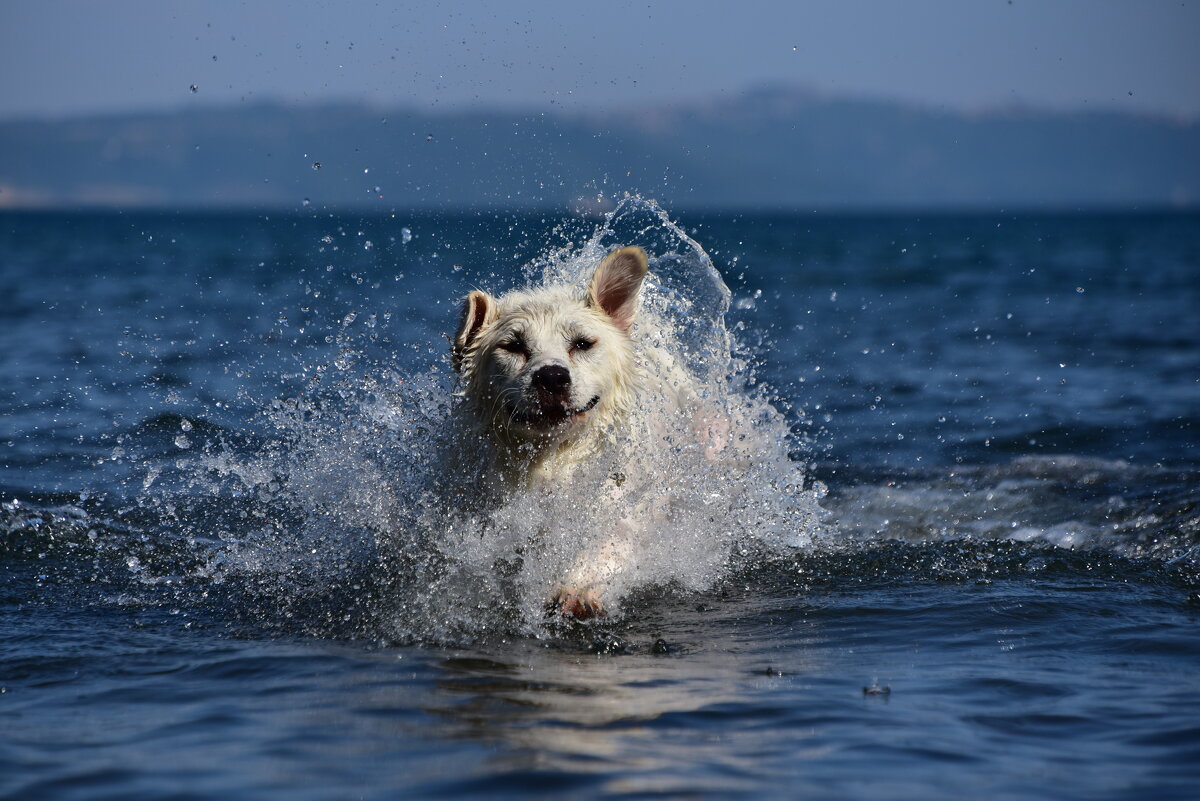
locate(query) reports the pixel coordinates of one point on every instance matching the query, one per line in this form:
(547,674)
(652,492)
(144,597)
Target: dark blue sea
(966,565)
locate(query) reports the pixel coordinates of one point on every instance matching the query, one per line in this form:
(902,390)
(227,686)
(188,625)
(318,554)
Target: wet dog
(549,374)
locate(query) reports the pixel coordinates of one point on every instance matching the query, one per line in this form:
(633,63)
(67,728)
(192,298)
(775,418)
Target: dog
(550,376)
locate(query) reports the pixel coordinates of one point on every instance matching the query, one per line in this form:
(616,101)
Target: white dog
(548,371)
(551,377)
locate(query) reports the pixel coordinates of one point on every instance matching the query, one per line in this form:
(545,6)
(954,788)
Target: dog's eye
(580,343)
(514,346)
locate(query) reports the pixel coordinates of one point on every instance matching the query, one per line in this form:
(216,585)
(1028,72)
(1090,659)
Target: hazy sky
(59,57)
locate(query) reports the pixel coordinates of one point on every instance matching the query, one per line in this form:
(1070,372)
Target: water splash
(349,503)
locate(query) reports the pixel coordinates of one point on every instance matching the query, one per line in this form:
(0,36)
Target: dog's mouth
(548,415)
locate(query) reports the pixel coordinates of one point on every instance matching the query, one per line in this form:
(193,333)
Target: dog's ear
(478,311)
(615,285)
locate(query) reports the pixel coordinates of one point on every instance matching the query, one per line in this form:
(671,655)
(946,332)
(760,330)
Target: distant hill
(765,148)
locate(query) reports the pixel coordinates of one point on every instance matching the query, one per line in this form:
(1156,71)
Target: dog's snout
(553,378)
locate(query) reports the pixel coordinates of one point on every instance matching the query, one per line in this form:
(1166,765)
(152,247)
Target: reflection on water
(643,721)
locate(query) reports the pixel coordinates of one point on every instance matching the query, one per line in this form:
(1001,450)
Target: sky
(63,58)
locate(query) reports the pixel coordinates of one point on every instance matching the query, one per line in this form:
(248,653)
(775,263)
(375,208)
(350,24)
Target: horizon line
(571,210)
(795,90)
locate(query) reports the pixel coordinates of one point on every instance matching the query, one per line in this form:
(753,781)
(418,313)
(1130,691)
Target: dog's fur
(550,375)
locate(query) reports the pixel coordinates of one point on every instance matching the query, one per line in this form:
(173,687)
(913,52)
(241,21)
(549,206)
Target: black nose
(553,378)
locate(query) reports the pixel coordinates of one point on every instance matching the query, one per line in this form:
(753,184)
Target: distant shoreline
(763,149)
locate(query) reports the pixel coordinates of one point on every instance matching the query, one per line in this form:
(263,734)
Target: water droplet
(185,424)
(405,236)
(345,359)
(368,245)
(194,88)
(316,165)
(183,442)
(428,137)
(306,202)
(327,239)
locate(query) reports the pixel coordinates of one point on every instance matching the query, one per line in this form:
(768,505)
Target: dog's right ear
(479,310)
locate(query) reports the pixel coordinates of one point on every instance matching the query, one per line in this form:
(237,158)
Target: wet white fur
(498,391)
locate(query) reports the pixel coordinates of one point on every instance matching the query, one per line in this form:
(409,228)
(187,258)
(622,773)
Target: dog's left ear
(615,285)
(478,311)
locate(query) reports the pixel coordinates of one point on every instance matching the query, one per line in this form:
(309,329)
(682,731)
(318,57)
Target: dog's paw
(580,604)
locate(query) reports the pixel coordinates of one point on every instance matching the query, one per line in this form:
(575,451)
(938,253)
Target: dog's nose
(553,378)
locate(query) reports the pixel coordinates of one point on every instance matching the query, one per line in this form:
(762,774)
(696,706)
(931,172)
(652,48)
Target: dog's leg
(712,430)
(581,594)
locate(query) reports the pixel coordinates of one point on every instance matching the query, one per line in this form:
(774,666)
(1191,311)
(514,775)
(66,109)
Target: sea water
(962,560)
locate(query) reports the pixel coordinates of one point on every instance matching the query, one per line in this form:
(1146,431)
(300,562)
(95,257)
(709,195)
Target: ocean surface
(965,562)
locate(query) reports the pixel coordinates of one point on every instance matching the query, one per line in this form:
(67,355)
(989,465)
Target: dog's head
(547,363)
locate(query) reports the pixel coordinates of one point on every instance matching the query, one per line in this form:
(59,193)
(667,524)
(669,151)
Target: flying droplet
(185,424)
(428,137)
(316,165)
(194,88)
(183,442)
(405,236)
(306,202)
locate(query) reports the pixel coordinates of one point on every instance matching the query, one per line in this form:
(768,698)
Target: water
(963,561)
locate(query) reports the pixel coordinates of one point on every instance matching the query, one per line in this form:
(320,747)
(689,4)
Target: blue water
(1001,411)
